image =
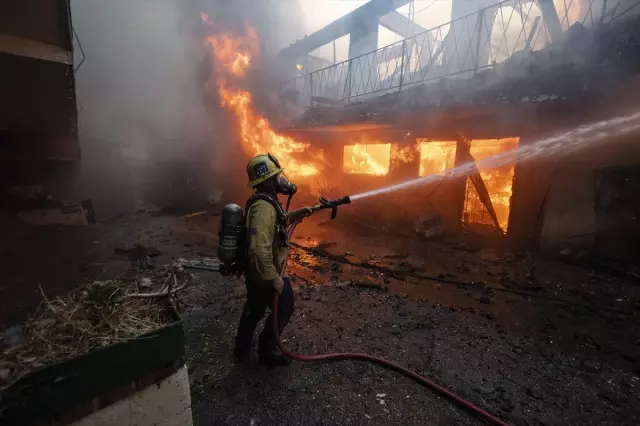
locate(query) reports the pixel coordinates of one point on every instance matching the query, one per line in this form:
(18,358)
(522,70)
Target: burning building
(356,155)
(426,131)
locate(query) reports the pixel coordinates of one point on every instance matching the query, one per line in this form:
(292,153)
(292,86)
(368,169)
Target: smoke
(277,24)
(149,133)
(274,20)
(137,79)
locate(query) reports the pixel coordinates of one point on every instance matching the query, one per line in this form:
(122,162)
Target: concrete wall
(553,205)
(569,214)
(167,403)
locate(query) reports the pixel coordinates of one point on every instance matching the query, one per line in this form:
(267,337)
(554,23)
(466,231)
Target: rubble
(207,264)
(429,225)
(139,254)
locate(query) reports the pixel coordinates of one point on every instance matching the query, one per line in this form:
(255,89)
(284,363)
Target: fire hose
(461,402)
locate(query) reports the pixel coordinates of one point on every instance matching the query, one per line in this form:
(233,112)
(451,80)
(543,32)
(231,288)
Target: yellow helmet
(262,167)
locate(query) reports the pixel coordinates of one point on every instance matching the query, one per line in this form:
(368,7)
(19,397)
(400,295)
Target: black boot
(268,352)
(244,340)
(241,353)
(244,337)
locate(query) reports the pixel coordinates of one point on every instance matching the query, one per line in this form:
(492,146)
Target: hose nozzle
(332,204)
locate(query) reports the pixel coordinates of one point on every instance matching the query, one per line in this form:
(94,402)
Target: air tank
(231,227)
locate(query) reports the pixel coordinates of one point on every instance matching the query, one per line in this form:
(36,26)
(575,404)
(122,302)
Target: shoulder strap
(271,200)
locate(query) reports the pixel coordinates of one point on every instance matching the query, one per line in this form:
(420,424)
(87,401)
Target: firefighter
(267,246)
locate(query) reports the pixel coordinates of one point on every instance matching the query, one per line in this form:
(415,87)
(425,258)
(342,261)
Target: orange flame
(436,156)
(404,154)
(232,57)
(372,159)
(258,136)
(498,180)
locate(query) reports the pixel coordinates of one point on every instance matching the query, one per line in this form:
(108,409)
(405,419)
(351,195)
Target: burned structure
(488,82)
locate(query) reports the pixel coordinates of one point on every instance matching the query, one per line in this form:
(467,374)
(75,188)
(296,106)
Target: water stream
(561,144)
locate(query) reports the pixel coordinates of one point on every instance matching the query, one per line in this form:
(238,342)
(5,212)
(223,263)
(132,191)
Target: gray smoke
(148,132)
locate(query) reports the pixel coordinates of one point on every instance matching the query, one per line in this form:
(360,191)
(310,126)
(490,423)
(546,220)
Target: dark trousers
(259,297)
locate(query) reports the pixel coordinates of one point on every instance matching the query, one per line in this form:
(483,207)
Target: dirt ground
(532,340)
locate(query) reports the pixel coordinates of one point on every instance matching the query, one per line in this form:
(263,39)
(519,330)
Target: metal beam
(551,19)
(341,27)
(400,24)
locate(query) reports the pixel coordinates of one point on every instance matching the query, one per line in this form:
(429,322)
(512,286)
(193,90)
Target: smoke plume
(149,132)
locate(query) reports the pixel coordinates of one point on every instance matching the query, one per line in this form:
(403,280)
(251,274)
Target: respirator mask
(282,184)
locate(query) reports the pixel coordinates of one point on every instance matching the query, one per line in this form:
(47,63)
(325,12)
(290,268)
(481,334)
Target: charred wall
(581,201)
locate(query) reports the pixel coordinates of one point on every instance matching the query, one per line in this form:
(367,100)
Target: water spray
(564,143)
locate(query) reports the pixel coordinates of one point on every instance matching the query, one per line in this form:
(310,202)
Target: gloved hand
(299,214)
(278,284)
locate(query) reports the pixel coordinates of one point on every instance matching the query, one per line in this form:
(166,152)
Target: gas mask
(283,186)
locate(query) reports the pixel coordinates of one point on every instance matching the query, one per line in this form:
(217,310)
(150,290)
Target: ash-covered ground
(532,340)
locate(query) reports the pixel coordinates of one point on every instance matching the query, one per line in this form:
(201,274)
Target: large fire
(369,158)
(232,57)
(403,154)
(436,156)
(498,180)
(373,157)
